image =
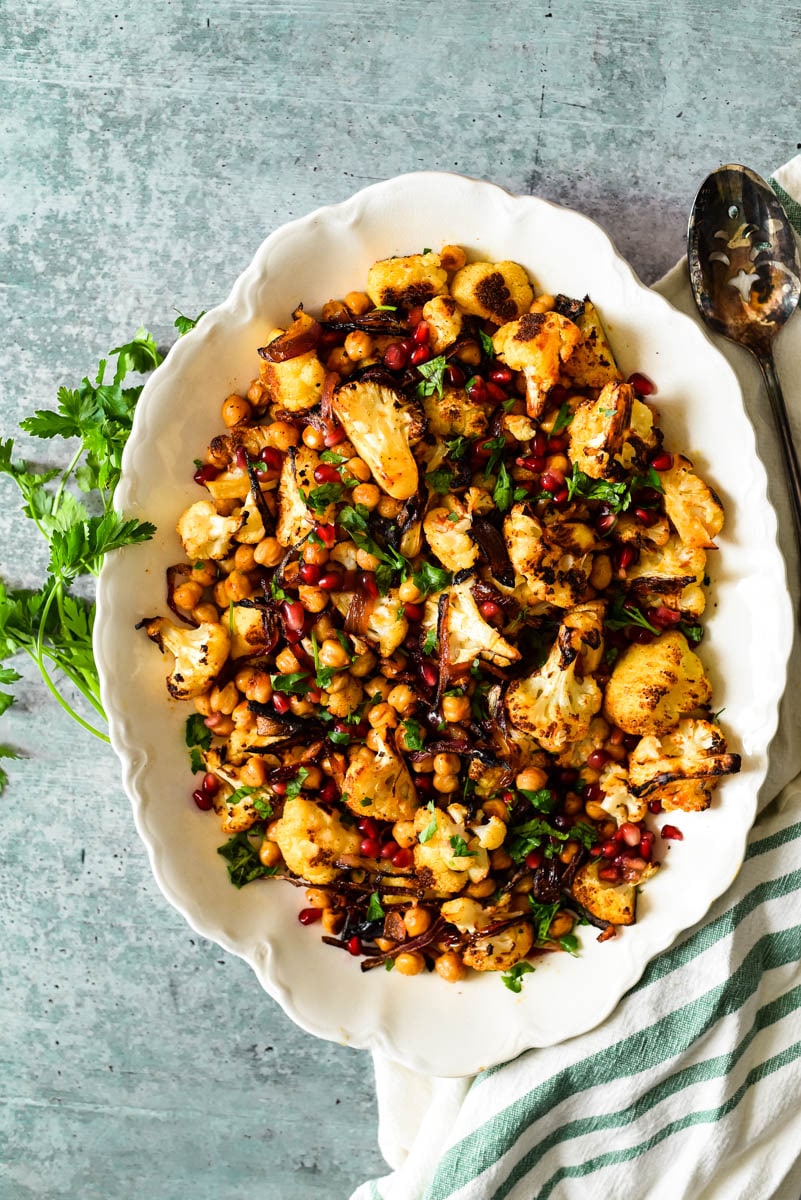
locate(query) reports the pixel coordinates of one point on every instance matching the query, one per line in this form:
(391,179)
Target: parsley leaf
(457,447)
(412,734)
(620,614)
(431,579)
(198,737)
(440,480)
(244,864)
(486,344)
(431,827)
(533,835)
(459,847)
(319,498)
(542,915)
(543,799)
(512,979)
(430,642)
(496,447)
(433,373)
(183,323)
(295,786)
(6,752)
(503,492)
(563,419)
(570,943)
(374,910)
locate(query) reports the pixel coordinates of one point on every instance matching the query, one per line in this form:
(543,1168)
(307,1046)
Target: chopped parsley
(459,847)
(244,864)
(486,345)
(431,579)
(496,447)
(198,737)
(295,786)
(319,498)
(542,915)
(543,799)
(512,979)
(503,492)
(295,684)
(431,827)
(440,480)
(430,642)
(433,373)
(412,734)
(621,614)
(457,447)
(534,835)
(563,419)
(374,910)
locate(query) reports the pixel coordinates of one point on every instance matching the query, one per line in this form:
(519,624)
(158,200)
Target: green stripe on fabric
(709,1116)
(702,1072)
(650,1047)
(791,206)
(774,841)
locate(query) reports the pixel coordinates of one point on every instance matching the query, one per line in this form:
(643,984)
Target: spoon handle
(777,405)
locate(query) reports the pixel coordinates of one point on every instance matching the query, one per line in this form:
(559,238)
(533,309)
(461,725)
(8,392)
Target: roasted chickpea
(385,944)
(313,438)
(317,898)
(456,708)
(203,704)
(242,717)
(221,726)
(300,706)
(254,772)
(207,614)
(450,967)
(404,834)
(402,698)
(446,764)
(244,558)
(358,345)
(204,573)
(333,654)
(316,555)
(409,964)
(601,574)
(256,393)
(532,779)
(282,435)
(187,595)
(224,700)
(573,804)
(358,468)
(260,688)
(393,666)
(500,859)
(313,599)
(595,811)
(220,593)
(570,851)
(367,494)
(409,592)
(334,310)
(268,552)
(496,808)
(543,304)
(417,921)
(389,507)
(363,664)
(332,921)
(367,561)
(235,410)
(469,354)
(558,462)
(378,686)
(358,303)
(286,662)
(269,854)
(561,924)
(479,891)
(424,766)
(446,783)
(382,715)
(338,361)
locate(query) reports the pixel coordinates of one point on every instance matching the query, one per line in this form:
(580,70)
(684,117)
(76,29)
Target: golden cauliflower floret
(232,484)
(250,629)
(204,533)
(444,322)
(454,412)
(383,426)
(538,344)
(618,799)
(575,754)
(469,635)
(379,785)
(592,363)
(406,282)
(613,902)
(434,852)
(557,703)
(294,517)
(652,687)
(497,292)
(673,574)
(295,384)
(693,507)
(233,803)
(387,626)
(312,839)
(200,654)
(500,951)
(681,767)
(554,560)
(598,429)
(450,540)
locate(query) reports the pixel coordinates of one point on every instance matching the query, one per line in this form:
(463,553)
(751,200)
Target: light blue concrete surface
(147,149)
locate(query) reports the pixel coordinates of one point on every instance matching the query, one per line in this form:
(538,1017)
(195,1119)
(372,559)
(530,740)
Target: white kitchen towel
(690,1090)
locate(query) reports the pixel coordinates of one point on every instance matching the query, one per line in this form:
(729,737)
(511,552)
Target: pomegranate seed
(279,787)
(560,498)
(369,584)
(334,435)
(625,557)
(557,444)
(655,806)
(646,517)
(611,873)
(212,721)
(647,838)
(664,617)
(500,375)
(309,573)
(315,694)
(389,849)
(642,385)
(421,334)
(354,946)
(618,834)
(631,834)
(206,474)
(210,784)
(327,534)
(328,792)
(609,849)
(330,582)
(272,458)
(631,741)
(642,637)
(532,462)
(419,355)
(294,614)
(648,497)
(672,834)
(280,702)
(489,609)
(594,792)
(396,356)
(202,800)
(534,860)
(455,376)
(597,759)
(539,444)
(368,826)
(241,458)
(429,674)
(552,481)
(414,612)
(606,523)
(402,858)
(496,393)
(424,784)
(568,776)
(477,390)
(646,851)
(326,473)
(636,865)
(616,736)
(416,315)
(307,916)
(370,847)
(662,461)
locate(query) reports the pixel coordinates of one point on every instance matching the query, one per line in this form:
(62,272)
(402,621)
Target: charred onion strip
(301,337)
(179,571)
(258,499)
(432,934)
(492,545)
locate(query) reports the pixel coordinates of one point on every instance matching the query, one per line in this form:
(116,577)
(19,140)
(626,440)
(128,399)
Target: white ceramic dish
(424,1023)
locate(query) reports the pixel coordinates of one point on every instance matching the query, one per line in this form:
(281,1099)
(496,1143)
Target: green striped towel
(691,1090)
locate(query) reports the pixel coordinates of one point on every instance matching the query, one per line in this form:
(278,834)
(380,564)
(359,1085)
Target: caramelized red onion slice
(258,499)
(433,934)
(492,545)
(302,336)
(359,613)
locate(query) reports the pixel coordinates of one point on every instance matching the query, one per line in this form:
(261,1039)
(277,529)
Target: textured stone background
(147,149)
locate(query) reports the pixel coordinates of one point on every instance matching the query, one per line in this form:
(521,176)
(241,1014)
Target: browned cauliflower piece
(433,853)
(233,803)
(387,626)
(497,292)
(618,798)
(444,322)
(556,704)
(295,519)
(592,363)
(613,902)
(575,754)
(200,654)
(383,780)
(469,635)
(653,686)
(630,530)
(598,430)
(231,484)
(693,507)
(538,344)
(251,630)
(450,539)
(383,426)
(406,282)
(555,560)
(681,767)
(312,839)
(297,383)
(672,575)
(500,951)
(204,533)
(454,412)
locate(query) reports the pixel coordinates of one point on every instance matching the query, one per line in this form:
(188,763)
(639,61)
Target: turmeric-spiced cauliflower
(438,621)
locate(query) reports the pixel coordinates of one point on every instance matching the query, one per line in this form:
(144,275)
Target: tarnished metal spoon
(746,279)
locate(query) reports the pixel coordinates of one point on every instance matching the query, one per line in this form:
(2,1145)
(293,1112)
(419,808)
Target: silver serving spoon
(746,280)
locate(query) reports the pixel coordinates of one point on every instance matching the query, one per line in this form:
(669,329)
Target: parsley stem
(39,659)
(65,476)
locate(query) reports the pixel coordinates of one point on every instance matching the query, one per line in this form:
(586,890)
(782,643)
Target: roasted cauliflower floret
(312,839)
(383,426)
(575,754)
(592,363)
(204,533)
(557,703)
(538,344)
(241,814)
(598,430)
(454,412)
(406,282)
(554,560)
(618,799)
(500,951)
(680,768)
(252,530)
(434,852)
(251,630)
(693,507)
(613,902)
(294,517)
(495,291)
(468,633)
(450,539)
(387,626)
(653,686)
(200,654)
(379,785)
(444,322)
(672,574)
(297,383)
